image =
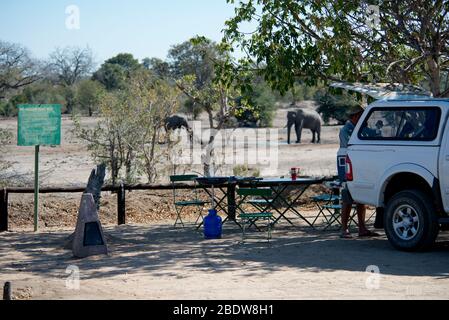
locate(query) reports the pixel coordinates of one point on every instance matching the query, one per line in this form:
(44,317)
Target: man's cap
(355,110)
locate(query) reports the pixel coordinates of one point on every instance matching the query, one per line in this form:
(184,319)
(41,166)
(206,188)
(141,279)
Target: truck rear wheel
(411,223)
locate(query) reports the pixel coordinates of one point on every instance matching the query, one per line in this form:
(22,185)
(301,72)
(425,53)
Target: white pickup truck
(398,161)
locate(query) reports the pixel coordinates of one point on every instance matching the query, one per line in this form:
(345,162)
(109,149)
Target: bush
(245,171)
(334,106)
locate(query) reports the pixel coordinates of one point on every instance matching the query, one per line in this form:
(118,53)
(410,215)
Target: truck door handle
(447,157)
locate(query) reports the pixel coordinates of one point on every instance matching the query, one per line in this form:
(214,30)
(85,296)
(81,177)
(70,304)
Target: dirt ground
(157,261)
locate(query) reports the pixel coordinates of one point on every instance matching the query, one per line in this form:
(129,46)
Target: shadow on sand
(161,249)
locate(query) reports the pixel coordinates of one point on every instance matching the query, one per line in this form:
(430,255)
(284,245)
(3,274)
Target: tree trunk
(211,117)
(434,72)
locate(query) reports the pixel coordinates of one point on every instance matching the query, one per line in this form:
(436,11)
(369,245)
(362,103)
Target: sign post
(36,188)
(38,125)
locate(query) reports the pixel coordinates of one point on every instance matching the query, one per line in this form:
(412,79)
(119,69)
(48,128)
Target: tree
(158,66)
(88,95)
(71,64)
(17,68)
(112,76)
(40,92)
(5,139)
(196,67)
(126,61)
(192,65)
(194,58)
(68,66)
(126,138)
(263,102)
(114,72)
(314,40)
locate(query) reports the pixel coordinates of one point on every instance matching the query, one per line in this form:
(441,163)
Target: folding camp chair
(323,201)
(259,199)
(180,205)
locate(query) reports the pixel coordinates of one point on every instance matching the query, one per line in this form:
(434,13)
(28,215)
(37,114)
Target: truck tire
(411,223)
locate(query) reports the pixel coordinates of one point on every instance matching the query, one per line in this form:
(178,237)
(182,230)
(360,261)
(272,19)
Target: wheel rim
(406,222)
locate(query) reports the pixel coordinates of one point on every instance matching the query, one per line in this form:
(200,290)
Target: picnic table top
(260,181)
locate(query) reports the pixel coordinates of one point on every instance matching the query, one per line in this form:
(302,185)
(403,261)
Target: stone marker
(88,239)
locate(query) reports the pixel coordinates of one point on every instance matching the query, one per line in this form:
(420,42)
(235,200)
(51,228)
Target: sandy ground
(158,262)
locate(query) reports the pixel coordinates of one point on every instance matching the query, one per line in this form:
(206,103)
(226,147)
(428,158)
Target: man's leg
(363,230)
(345,215)
(347,202)
(361,215)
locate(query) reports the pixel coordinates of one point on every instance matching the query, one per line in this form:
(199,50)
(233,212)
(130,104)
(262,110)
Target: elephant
(304,119)
(176,122)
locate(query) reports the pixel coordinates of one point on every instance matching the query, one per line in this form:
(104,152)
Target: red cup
(294,173)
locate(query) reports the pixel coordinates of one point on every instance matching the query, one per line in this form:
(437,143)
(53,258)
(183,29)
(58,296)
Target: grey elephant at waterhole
(304,119)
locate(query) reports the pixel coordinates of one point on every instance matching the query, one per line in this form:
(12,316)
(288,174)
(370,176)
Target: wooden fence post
(3,210)
(7,291)
(121,205)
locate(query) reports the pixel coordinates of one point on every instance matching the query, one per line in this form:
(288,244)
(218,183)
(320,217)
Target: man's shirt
(345,135)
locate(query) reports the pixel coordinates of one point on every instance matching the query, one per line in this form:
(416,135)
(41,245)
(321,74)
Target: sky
(145,28)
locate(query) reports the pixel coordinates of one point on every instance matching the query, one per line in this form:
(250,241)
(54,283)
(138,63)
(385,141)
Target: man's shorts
(346,195)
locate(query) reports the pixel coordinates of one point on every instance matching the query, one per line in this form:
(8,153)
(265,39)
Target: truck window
(401,124)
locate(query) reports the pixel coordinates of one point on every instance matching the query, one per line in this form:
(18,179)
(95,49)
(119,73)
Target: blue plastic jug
(212,225)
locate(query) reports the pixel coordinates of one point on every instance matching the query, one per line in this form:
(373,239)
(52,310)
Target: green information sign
(39,124)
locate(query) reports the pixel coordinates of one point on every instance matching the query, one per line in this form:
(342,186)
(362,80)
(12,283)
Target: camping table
(227,185)
(279,186)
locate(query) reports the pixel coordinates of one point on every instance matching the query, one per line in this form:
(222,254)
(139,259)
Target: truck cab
(398,161)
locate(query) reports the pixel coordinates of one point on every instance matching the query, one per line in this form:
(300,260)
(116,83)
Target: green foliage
(194,58)
(322,40)
(299,92)
(115,72)
(37,93)
(159,67)
(245,171)
(333,106)
(112,76)
(5,139)
(261,105)
(126,61)
(189,106)
(88,96)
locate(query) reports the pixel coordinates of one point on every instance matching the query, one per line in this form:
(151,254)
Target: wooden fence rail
(120,190)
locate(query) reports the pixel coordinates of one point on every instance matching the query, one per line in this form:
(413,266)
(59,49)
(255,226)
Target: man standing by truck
(354,115)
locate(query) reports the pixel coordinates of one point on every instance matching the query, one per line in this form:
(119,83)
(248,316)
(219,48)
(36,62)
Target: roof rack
(386,91)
